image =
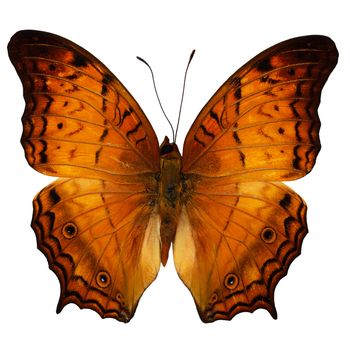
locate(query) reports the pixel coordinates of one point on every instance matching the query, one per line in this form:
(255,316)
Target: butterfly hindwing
(102,241)
(235,242)
(262,123)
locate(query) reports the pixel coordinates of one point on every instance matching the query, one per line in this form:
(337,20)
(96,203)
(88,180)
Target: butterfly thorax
(169,194)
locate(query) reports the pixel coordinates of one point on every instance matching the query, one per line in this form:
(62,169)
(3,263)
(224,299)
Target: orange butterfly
(121,200)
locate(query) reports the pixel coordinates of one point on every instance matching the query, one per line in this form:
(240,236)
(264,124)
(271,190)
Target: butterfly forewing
(79,119)
(262,124)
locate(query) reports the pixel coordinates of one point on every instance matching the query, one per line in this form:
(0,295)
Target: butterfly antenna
(155,89)
(183,93)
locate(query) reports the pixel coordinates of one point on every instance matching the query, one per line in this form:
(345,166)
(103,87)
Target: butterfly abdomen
(169,194)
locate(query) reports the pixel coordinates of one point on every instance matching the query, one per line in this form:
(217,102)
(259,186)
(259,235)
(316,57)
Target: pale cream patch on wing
(184,248)
(150,252)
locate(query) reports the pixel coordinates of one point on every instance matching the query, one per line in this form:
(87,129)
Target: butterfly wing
(98,227)
(79,120)
(262,123)
(239,230)
(235,242)
(102,241)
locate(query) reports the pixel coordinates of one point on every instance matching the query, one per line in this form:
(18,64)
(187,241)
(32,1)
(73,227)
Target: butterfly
(121,200)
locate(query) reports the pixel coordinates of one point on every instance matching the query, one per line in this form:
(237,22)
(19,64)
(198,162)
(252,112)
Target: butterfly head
(169,149)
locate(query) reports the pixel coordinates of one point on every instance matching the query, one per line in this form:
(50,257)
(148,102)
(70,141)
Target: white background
(312,301)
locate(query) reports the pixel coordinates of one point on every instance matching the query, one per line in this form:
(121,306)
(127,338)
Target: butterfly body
(107,223)
(170,194)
